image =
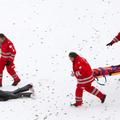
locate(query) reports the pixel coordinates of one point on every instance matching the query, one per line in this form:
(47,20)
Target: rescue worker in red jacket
(7,59)
(116,39)
(84,74)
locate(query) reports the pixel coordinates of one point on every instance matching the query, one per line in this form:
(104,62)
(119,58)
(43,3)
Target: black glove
(110,44)
(8,63)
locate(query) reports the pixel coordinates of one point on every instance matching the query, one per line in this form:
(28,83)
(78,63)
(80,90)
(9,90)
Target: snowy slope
(44,32)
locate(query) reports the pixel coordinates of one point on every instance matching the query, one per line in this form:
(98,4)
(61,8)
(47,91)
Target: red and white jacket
(116,39)
(7,51)
(82,71)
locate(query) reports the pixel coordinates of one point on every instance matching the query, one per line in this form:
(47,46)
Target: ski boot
(28,94)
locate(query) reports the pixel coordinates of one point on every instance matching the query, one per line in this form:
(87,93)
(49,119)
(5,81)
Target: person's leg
(78,94)
(12,72)
(96,92)
(14,96)
(2,66)
(23,89)
(18,95)
(6,95)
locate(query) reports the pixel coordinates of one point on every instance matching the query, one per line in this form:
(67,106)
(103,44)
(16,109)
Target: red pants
(89,88)
(10,70)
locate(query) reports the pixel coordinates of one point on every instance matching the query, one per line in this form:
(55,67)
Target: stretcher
(106,71)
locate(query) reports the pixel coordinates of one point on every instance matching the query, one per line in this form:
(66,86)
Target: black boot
(77,104)
(103,99)
(28,94)
(15,83)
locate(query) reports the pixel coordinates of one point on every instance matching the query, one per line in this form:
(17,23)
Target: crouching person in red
(84,74)
(7,59)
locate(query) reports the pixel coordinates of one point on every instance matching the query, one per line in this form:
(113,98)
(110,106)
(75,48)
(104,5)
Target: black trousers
(18,93)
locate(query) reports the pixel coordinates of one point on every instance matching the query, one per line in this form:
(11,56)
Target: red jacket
(82,71)
(7,51)
(116,39)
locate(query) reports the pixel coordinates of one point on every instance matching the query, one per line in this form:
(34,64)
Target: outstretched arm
(116,39)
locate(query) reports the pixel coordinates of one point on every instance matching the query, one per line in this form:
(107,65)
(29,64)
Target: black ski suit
(18,93)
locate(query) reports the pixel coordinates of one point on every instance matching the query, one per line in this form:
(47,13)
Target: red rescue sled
(106,71)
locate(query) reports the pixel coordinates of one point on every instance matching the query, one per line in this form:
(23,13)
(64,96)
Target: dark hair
(73,54)
(2,35)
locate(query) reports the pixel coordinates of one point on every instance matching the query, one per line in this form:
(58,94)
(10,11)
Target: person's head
(72,56)
(2,38)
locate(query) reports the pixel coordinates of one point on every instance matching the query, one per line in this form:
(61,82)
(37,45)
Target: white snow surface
(44,32)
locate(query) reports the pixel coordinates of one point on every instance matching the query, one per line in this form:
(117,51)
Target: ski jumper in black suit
(18,93)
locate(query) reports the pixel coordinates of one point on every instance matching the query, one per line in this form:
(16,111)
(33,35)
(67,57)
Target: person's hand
(109,44)
(72,74)
(8,63)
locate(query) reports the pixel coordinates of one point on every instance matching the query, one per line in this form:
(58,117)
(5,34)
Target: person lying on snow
(84,74)
(19,93)
(116,39)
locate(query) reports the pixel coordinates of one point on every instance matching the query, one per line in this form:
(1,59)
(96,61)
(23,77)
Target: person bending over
(8,53)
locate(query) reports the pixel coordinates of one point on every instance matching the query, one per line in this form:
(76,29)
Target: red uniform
(8,54)
(116,39)
(84,75)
